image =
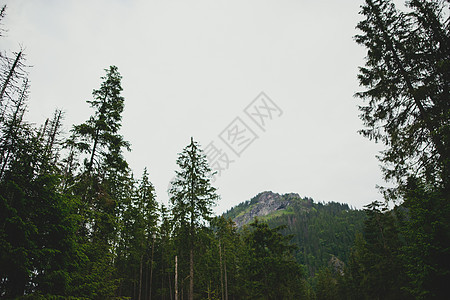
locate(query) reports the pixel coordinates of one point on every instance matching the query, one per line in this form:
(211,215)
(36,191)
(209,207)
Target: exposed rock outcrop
(264,204)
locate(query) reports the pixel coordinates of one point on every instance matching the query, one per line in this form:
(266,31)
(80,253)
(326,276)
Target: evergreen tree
(166,254)
(326,285)
(136,242)
(104,167)
(37,227)
(229,245)
(269,269)
(407,77)
(192,198)
(426,229)
(36,220)
(376,267)
(103,186)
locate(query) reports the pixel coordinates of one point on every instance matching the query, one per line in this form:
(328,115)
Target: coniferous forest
(76,223)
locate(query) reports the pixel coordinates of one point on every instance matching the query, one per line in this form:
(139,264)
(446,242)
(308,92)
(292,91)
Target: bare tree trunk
(191,275)
(176,277)
(163,296)
(134,285)
(151,270)
(225,271)
(140,279)
(13,129)
(221,268)
(170,287)
(55,126)
(146,281)
(10,75)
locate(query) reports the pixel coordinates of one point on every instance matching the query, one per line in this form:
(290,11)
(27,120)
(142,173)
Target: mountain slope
(323,232)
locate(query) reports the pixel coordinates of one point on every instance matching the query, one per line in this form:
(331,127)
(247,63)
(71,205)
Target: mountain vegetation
(323,232)
(75,222)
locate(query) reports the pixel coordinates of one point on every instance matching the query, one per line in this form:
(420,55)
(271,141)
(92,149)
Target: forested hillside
(323,232)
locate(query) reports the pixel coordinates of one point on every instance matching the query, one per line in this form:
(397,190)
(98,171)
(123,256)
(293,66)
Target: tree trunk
(176,277)
(225,271)
(221,268)
(96,135)
(10,75)
(140,279)
(146,280)
(55,126)
(151,270)
(163,296)
(13,130)
(191,274)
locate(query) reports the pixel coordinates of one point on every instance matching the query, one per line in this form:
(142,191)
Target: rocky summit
(264,204)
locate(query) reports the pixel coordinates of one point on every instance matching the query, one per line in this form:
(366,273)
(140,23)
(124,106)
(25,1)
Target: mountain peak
(265,197)
(264,204)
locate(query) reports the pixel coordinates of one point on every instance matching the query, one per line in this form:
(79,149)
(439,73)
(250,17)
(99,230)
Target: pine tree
(103,186)
(104,166)
(229,243)
(166,254)
(269,268)
(407,76)
(192,198)
(138,231)
(37,224)
(426,229)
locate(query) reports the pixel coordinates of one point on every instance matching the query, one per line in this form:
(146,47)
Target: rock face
(337,265)
(264,204)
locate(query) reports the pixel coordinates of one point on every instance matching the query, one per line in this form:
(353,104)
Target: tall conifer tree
(192,197)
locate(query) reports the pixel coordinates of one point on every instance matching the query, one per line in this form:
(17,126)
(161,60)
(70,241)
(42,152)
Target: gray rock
(264,204)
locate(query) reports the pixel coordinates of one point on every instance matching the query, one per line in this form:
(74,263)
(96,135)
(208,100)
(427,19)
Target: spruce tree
(104,166)
(407,81)
(407,78)
(192,197)
(102,185)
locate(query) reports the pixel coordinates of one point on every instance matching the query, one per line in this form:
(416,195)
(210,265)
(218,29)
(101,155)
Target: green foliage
(103,187)
(326,285)
(407,79)
(192,195)
(375,265)
(426,229)
(138,232)
(407,76)
(269,269)
(192,198)
(404,252)
(99,134)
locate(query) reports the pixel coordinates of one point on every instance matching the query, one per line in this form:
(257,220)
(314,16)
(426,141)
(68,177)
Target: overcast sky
(196,68)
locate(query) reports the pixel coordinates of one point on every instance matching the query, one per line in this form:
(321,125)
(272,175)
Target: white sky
(191,67)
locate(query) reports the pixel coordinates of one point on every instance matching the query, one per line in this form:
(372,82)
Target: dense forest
(76,223)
